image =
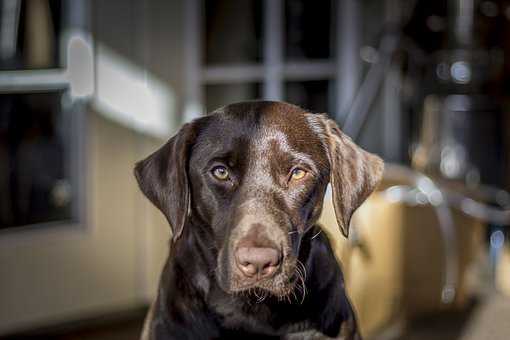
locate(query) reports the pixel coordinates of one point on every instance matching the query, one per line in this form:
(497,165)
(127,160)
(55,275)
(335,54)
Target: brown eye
(220,173)
(297,174)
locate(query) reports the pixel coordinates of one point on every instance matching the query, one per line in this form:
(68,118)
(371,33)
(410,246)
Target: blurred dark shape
(313,95)
(461,132)
(233,31)
(462,139)
(34,185)
(219,95)
(308,29)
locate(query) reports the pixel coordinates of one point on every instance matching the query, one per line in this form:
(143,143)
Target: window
(253,49)
(41,112)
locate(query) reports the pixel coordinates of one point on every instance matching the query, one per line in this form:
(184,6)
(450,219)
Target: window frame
(76,93)
(342,68)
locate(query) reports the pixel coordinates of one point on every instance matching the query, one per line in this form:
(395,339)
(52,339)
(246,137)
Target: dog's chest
(236,313)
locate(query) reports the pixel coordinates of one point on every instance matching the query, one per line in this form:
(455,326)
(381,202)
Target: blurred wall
(111,262)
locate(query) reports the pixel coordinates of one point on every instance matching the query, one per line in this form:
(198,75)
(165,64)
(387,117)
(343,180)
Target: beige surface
(371,271)
(394,271)
(503,272)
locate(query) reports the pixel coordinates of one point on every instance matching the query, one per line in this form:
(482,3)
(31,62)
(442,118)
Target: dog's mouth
(260,265)
(287,285)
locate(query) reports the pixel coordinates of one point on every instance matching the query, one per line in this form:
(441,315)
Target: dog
(242,189)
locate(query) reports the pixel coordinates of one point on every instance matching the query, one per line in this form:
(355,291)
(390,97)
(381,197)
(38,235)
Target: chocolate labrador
(242,189)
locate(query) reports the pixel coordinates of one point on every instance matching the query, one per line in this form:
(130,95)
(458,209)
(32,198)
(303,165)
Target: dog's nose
(261,262)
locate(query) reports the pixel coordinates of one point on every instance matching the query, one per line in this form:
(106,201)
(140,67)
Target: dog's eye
(220,172)
(297,174)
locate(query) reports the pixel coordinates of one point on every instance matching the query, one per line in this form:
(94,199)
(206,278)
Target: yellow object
(394,262)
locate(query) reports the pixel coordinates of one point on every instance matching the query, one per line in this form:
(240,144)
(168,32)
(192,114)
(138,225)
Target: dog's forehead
(261,124)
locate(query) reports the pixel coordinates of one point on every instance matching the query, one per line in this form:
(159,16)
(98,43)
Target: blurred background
(89,87)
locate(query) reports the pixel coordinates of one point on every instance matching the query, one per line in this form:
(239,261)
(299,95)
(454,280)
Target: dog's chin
(284,286)
(276,287)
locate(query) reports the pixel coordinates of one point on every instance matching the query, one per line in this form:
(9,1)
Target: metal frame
(77,24)
(273,49)
(422,190)
(348,43)
(193,96)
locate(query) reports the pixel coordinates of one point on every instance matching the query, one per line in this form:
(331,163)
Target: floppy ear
(163,178)
(354,172)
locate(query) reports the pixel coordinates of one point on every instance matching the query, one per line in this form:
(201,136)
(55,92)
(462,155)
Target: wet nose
(260,262)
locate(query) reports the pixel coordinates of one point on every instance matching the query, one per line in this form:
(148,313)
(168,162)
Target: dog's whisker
(300,284)
(304,290)
(303,267)
(314,236)
(265,295)
(294,295)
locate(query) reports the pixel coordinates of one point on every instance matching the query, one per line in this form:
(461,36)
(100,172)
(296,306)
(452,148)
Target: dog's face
(253,175)
(257,177)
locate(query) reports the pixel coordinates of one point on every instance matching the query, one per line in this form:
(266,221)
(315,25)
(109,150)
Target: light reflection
(130,95)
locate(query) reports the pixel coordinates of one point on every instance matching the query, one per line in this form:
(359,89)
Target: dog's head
(253,175)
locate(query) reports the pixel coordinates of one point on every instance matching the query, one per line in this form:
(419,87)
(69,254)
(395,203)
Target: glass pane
(29,34)
(308,29)
(233,31)
(311,95)
(34,185)
(217,96)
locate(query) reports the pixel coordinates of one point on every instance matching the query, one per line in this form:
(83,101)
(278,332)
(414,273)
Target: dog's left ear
(163,178)
(354,172)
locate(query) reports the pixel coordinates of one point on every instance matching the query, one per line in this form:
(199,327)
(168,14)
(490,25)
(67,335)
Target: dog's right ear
(163,178)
